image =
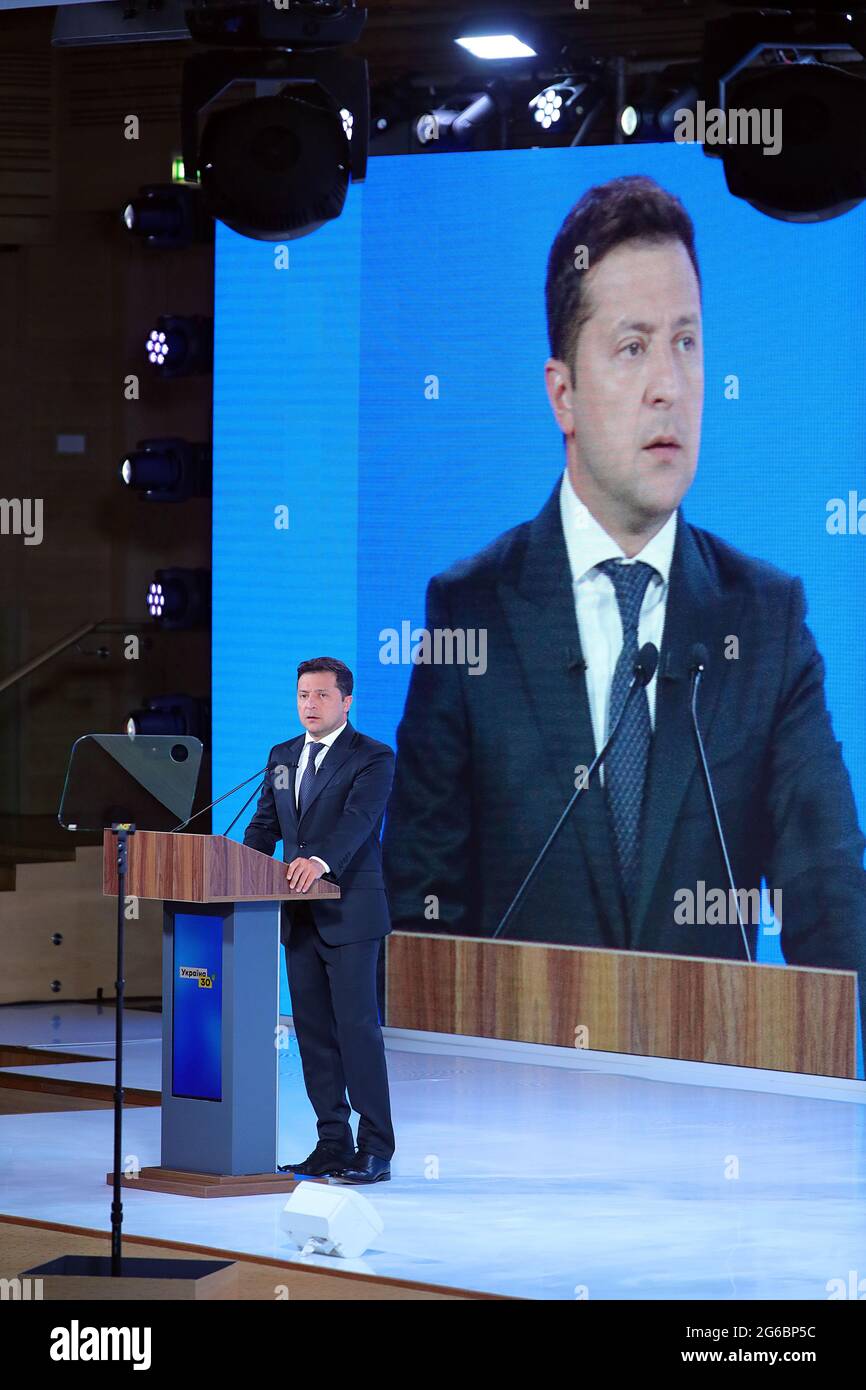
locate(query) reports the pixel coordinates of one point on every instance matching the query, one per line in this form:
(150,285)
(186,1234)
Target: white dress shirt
(327,740)
(596,607)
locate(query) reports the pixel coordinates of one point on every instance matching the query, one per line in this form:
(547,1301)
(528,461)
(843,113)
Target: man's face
(638,375)
(321,707)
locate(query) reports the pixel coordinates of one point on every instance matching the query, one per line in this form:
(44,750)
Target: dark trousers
(336,1018)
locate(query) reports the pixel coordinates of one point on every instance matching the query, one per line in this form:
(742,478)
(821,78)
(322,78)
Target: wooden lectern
(220,1007)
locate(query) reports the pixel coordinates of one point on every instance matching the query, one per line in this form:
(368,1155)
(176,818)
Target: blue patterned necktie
(309,776)
(626,764)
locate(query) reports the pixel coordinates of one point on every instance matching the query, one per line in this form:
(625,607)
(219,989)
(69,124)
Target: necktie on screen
(626,763)
(309,776)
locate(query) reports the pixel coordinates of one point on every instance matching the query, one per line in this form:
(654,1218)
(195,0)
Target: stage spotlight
(167,216)
(277,167)
(181,345)
(168,470)
(668,113)
(446,127)
(646,124)
(171,714)
(629,121)
(500,37)
(179,598)
(659,99)
(493,47)
(546,108)
(790,128)
(564,106)
(430,127)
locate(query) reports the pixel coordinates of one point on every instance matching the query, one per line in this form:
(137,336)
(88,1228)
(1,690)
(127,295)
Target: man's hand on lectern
(302,874)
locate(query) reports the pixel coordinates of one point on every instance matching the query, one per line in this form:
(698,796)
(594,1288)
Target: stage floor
(521,1170)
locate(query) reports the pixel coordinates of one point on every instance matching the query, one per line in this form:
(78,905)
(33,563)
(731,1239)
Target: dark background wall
(77,297)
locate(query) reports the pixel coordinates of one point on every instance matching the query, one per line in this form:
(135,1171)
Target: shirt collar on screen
(328,738)
(588,543)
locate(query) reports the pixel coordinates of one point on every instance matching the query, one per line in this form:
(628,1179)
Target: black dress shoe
(366,1168)
(325,1161)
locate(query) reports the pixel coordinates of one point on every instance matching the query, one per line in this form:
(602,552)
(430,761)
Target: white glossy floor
(520,1170)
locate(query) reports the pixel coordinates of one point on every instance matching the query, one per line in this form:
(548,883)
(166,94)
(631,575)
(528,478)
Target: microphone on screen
(644,669)
(646,666)
(698,662)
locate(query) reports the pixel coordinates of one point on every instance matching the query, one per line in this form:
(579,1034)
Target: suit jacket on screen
(485,764)
(341,823)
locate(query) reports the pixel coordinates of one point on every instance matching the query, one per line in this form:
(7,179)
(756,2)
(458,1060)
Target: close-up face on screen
(432,665)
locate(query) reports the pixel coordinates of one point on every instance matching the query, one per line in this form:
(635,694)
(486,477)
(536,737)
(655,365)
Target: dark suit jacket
(485,763)
(341,824)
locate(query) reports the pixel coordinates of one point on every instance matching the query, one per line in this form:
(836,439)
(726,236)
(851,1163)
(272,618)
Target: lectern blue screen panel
(197,1014)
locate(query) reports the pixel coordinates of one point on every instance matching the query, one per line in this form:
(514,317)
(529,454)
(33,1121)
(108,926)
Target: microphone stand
(644,670)
(697,674)
(184,823)
(244,807)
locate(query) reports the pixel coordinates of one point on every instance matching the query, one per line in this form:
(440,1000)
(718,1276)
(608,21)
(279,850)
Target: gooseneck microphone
(643,672)
(184,823)
(698,662)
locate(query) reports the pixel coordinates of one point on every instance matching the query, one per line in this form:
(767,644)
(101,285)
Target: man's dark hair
(631,208)
(345,679)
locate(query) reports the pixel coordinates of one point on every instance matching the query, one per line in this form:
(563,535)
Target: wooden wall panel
(66,900)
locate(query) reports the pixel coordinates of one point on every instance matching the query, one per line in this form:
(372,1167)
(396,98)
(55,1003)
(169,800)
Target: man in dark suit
(324,796)
(484,765)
